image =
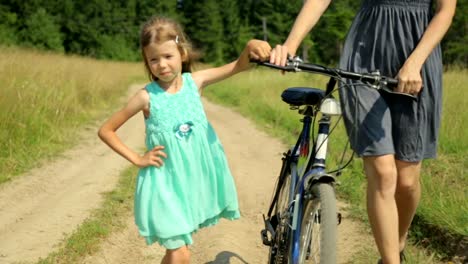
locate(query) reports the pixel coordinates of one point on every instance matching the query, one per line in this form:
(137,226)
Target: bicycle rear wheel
(319,226)
(280,248)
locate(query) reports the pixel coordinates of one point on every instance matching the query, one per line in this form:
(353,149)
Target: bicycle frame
(306,166)
(305,178)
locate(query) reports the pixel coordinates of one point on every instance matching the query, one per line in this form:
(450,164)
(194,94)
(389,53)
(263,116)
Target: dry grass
(45,97)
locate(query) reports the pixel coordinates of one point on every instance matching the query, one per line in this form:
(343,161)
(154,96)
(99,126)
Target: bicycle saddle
(302,96)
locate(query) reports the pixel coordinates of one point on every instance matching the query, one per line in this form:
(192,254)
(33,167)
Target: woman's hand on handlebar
(279,55)
(409,80)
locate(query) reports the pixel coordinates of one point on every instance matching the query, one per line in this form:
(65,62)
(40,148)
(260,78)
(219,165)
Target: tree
(330,32)
(148,8)
(8,34)
(219,28)
(454,45)
(116,47)
(41,31)
(205,28)
(236,32)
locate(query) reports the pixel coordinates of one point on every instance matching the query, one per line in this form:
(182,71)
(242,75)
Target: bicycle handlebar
(374,79)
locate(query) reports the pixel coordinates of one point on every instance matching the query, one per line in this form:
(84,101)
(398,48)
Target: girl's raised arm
(255,49)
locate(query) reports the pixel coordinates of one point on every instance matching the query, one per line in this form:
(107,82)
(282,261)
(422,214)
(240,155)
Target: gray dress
(382,36)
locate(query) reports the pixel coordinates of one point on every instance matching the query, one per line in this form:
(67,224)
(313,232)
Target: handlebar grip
(274,66)
(392,83)
(254,60)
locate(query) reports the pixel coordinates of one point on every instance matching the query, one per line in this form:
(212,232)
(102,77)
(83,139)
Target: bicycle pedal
(265,240)
(270,224)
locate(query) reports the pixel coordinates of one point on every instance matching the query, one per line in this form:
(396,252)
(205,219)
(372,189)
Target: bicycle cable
(329,95)
(343,83)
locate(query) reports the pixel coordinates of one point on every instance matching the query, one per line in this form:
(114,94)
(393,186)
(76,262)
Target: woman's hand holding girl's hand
(258,49)
(409,79)
(152,158)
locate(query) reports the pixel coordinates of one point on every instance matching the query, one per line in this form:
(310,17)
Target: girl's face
(164,60)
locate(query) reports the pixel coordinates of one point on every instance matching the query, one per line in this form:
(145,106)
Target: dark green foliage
(219,28)
(235,31)
(205,28)
(41,31)
(455,42)
(273,19)
(116,47)
(330,32)
(8,26)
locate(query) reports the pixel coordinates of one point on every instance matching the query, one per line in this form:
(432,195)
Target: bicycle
(301,223)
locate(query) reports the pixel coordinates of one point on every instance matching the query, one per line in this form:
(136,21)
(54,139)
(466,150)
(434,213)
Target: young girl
(184,182)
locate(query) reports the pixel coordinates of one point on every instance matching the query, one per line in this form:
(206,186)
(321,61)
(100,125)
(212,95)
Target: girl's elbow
(102,133)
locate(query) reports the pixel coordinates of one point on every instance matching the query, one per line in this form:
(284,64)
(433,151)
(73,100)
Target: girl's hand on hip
(153,158)
(409,80)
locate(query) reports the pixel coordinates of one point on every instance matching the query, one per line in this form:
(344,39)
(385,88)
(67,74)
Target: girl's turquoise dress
(194,188)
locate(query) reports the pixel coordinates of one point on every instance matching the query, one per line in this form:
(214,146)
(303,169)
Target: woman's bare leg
(407,196)
(382,210)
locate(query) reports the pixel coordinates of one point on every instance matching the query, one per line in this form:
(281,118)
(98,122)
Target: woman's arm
(309,15)
(255,49)
(107,132)
(410,73)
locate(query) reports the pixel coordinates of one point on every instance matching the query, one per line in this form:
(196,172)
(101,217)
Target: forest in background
(106,29)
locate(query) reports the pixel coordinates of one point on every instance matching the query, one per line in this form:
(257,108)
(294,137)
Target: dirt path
(38,209)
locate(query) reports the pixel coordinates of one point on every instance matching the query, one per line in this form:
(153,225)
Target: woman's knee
(381,173)
(408,176)
(407,185)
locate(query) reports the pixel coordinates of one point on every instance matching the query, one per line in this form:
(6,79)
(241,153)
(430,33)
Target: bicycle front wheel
(319,226)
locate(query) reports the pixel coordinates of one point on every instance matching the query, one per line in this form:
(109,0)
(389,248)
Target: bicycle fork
(315,172)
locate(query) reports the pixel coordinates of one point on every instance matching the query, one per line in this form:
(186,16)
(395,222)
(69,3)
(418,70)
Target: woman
(392,133)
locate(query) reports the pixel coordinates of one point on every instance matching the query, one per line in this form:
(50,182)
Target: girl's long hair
(159,29)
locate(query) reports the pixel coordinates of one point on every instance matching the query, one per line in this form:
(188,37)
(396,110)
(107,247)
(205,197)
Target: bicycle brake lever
(391,82)
(293,63)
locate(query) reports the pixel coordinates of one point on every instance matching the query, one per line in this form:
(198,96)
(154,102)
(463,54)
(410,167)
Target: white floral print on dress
(183,131)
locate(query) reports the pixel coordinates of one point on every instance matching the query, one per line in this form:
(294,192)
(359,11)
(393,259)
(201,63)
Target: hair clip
(177,39)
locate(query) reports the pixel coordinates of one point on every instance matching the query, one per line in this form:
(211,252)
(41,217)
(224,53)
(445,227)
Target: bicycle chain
(282,254)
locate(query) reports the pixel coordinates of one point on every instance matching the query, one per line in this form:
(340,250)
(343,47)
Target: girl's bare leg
(407,196)
(381,172)
(177,256)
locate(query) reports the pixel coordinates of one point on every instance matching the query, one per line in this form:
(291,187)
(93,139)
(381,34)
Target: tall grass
(45,97)
(445,179)
(257,94)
